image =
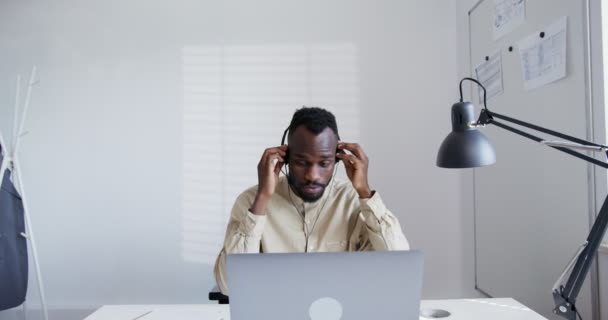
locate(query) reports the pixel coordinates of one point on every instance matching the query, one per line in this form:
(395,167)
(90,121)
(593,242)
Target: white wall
(405,118)
(603,279)
(466,179)
(599,35)
(102,161)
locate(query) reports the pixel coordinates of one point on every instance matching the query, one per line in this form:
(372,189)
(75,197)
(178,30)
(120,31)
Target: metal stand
(11,161)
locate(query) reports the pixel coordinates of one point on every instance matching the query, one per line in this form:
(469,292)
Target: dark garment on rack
(13,246)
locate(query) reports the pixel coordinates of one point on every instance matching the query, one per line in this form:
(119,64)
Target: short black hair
(315,119)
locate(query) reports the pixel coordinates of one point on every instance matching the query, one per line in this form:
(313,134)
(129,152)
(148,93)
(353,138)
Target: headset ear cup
(286,157)
(341,152)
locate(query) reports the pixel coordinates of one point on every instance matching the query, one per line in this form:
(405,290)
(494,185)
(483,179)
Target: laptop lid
(325,286)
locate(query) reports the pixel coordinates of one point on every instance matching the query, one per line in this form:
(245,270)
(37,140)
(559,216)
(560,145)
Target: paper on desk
(543,60)
(188,312)
(489,73)
(508,14)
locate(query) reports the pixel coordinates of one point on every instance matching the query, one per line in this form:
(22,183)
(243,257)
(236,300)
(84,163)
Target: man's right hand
(269,168)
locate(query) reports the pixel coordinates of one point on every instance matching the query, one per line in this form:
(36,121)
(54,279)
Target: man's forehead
(302,138)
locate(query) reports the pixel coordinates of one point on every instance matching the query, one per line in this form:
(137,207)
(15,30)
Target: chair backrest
(216,295)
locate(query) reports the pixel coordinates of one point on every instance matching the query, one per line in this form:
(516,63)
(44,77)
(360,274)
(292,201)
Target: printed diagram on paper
(543,60)
(508,15)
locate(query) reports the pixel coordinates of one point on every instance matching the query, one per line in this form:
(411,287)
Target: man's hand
(356,164)
(269,168)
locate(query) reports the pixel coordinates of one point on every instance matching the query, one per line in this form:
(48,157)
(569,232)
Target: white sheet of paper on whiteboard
(508,14)
(489,73)
(543,60)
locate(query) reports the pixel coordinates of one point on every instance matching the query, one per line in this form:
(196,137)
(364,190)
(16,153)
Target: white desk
(461,309)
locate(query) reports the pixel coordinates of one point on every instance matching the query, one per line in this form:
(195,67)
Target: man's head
(313,140)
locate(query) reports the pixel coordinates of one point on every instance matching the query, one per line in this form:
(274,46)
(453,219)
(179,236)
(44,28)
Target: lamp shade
(465,146)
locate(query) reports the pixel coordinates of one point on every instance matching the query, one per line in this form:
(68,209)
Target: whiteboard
(533,207)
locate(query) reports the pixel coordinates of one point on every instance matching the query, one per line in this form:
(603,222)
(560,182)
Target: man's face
(312,159)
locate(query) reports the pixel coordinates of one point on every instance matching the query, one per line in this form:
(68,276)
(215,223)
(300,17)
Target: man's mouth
(311,189)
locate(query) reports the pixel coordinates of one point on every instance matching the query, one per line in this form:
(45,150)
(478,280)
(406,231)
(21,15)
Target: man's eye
(325,164)
(300,163)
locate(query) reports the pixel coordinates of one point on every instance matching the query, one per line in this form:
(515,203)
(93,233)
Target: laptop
(325,285)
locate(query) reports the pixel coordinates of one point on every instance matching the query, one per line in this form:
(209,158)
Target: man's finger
(271,151)
(347,165)
(274,159)
(277,166)
(279,150)
(349,159)
(354,148)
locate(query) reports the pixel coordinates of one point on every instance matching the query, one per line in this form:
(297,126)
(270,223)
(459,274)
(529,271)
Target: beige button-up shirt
(338,221)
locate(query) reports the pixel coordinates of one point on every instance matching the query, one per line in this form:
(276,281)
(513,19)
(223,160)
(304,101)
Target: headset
(286,157)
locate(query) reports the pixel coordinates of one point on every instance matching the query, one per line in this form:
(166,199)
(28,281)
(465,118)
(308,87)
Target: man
(308,210)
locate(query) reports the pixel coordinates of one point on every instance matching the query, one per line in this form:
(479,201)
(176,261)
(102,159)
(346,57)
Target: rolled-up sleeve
(382,229)
(243,235)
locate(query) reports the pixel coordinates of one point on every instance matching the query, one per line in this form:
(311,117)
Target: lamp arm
(490,115)
(486,117)
(564,296)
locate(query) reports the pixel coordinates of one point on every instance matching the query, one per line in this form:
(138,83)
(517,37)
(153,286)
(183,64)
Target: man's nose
(312,174)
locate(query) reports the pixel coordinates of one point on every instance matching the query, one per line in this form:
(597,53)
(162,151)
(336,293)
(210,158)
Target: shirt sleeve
(379,228)
(243,235)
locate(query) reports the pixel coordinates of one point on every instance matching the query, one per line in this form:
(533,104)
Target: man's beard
(307,197)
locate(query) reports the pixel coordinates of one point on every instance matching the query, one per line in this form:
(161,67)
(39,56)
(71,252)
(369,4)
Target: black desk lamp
(466,147)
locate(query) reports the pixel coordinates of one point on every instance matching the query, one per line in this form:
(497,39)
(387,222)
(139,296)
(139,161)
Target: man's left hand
(356,164)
